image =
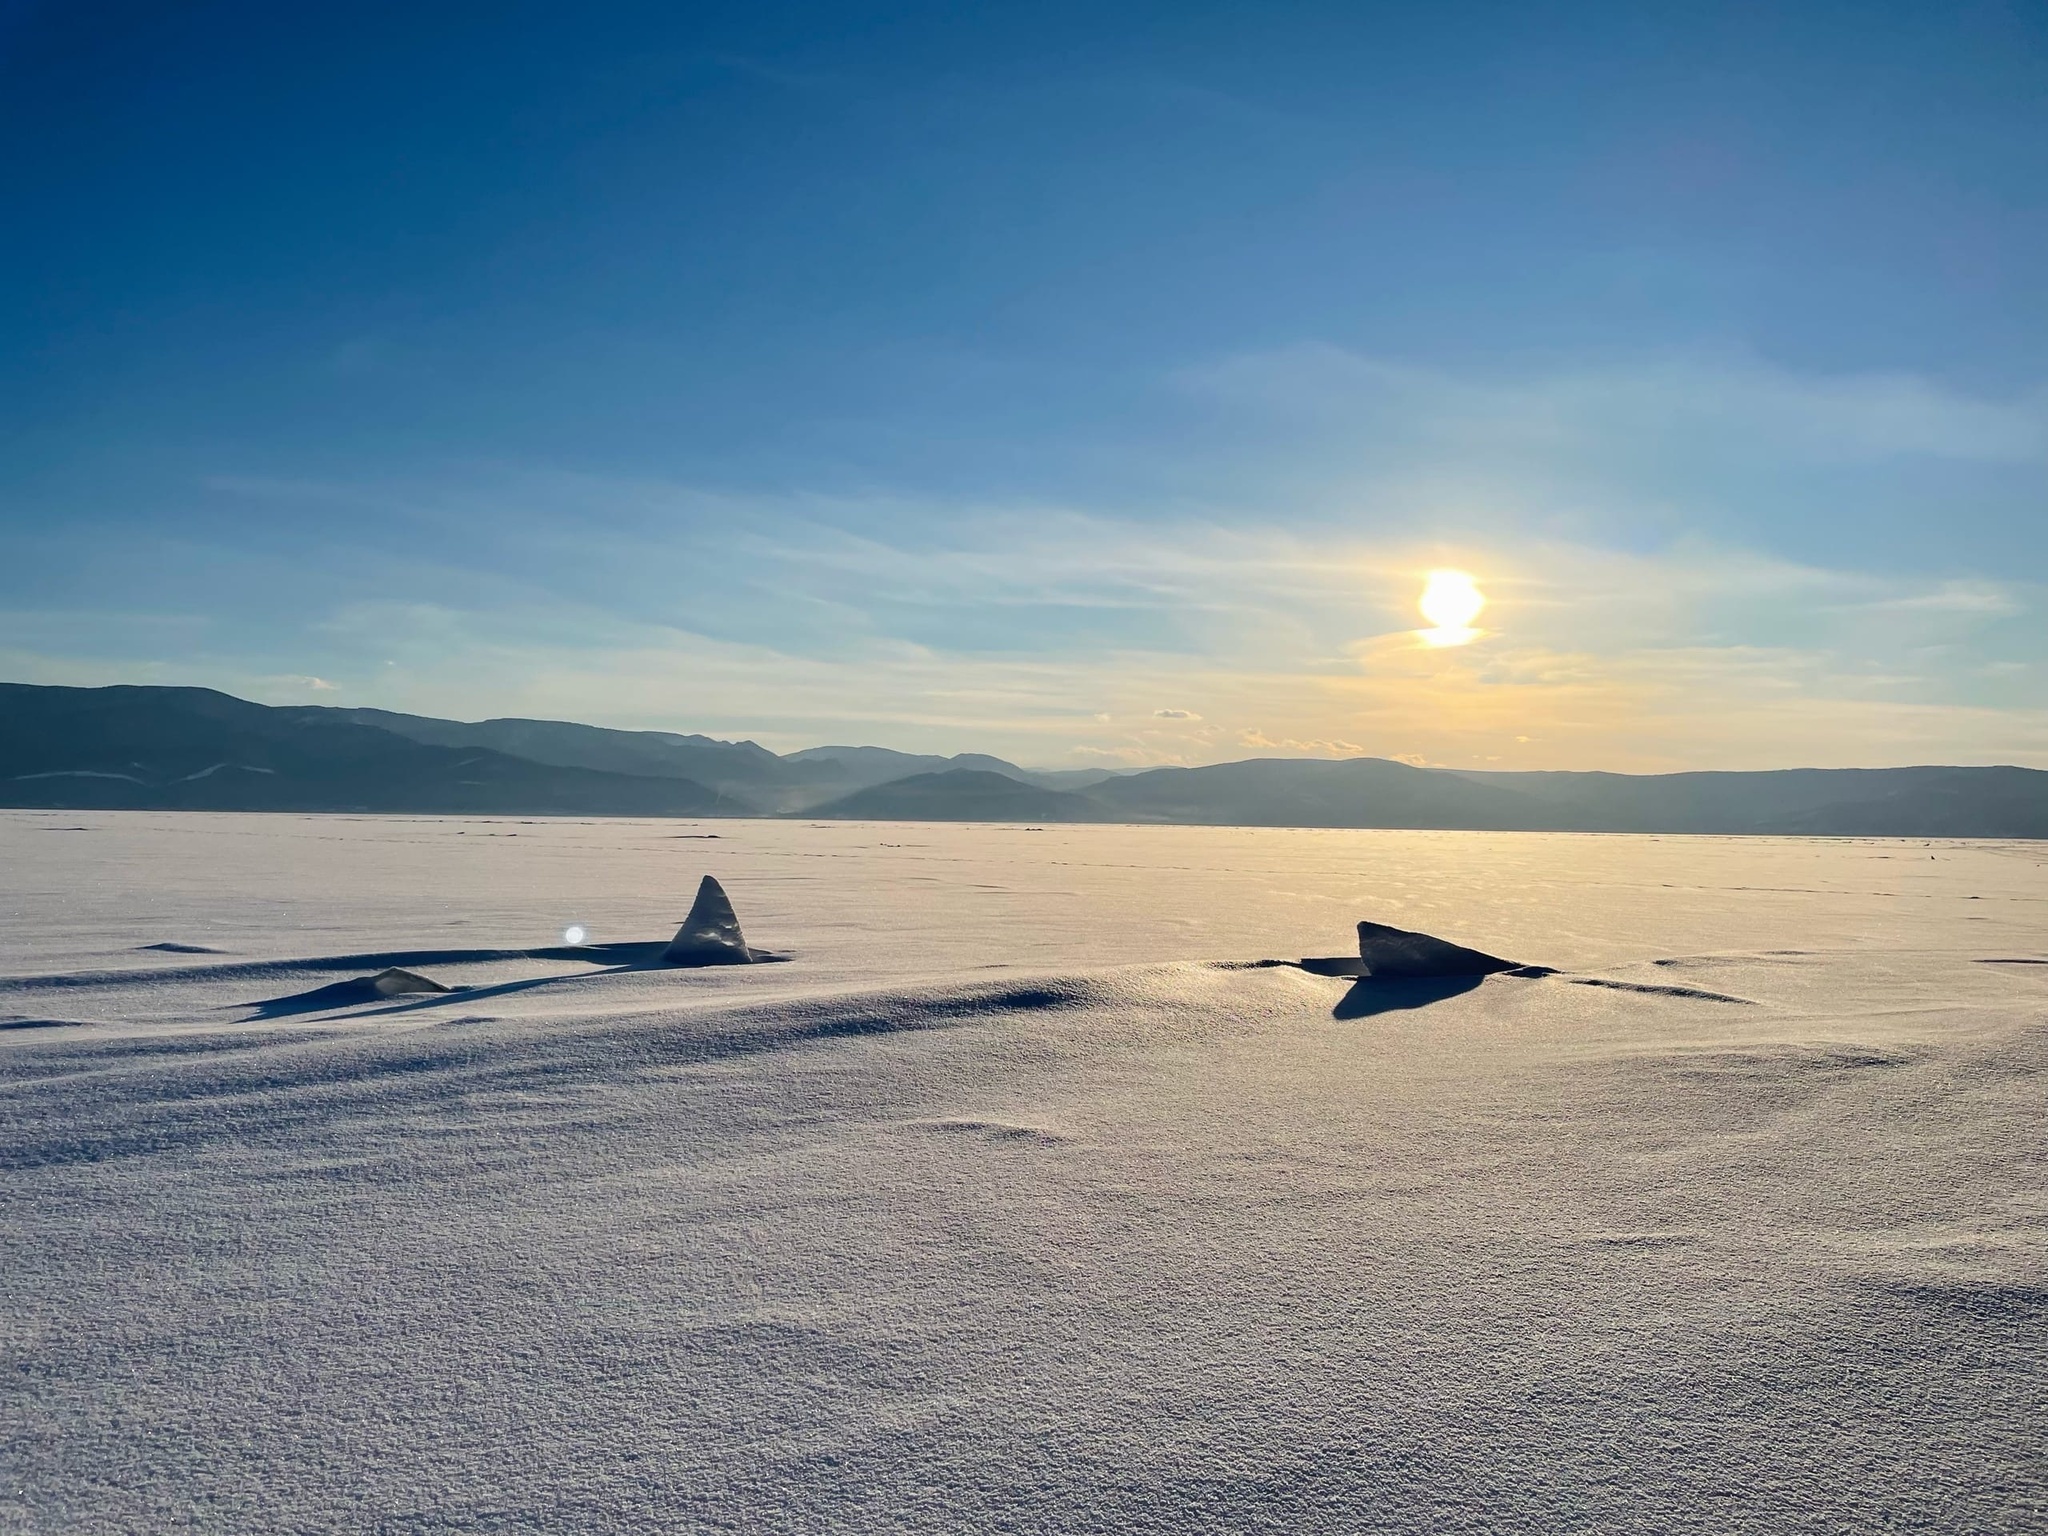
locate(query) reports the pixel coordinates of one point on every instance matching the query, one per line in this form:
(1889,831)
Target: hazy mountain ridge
(135,747)
(742,770)
(1307,792)
(962,794)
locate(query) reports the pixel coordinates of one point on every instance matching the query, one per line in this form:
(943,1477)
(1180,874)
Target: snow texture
(1025,1198)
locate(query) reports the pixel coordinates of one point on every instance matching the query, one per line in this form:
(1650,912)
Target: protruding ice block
(710,935)
(1395,952)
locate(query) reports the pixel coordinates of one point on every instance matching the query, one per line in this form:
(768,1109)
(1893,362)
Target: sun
(1451,600)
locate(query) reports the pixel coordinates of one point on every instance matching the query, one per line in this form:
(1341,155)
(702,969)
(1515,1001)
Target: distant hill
(1937,802)
(654,754)
(878,765)
(194,749)
(747,773)
(1371,792)
(1909,802)
(961,794)
(853,768)
(1297,792)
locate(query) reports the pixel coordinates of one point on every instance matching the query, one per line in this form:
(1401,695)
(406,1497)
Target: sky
(1095,385)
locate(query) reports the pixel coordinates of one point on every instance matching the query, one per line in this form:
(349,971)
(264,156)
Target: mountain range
(133,747)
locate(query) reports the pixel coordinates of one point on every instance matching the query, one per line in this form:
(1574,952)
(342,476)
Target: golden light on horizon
(1451,600)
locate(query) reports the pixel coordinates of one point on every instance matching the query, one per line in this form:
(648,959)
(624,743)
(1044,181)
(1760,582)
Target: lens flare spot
(575,933)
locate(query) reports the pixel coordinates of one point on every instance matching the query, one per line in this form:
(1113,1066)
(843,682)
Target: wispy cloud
(1704,400)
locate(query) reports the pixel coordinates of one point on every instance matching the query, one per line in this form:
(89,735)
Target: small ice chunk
(710,935)
(395,983)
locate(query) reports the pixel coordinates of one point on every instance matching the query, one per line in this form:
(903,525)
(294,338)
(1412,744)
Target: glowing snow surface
(1016,1200)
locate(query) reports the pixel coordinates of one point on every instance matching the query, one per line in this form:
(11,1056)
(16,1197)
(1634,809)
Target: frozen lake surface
(1017,1200)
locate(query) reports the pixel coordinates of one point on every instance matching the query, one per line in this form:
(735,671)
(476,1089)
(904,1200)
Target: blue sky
(1089,384)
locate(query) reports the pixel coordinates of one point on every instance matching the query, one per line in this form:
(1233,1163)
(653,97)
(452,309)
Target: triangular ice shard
(710,935)
(1388,951)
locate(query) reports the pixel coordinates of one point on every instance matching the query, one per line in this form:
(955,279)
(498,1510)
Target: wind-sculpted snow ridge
(342,1076)
(1653,989)
(257,970)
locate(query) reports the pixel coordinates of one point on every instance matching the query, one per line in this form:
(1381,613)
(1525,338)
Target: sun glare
(1451,600)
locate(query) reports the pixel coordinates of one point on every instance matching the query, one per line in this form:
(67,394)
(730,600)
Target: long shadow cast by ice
(1394,994)
(709,936)
(650,960)
(339,994)
(622,958)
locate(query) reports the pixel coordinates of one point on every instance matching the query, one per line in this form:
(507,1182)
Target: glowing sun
(1451,600)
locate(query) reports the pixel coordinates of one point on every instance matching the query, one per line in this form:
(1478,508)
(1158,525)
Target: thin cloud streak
(1769,410)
